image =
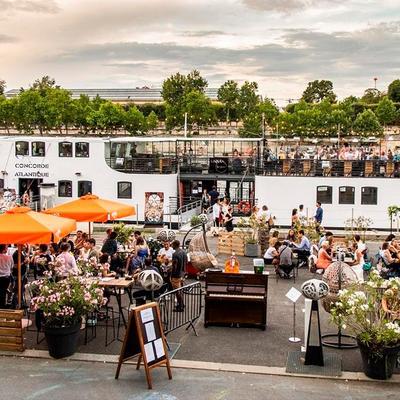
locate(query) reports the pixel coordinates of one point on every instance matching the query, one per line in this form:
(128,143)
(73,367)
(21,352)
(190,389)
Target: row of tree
(46,106)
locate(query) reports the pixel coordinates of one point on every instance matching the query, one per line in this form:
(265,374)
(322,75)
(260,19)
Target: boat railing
(331,168)
(187,211)
(143,165)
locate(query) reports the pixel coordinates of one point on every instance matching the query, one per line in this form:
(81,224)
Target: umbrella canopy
(21,225)
(91,208)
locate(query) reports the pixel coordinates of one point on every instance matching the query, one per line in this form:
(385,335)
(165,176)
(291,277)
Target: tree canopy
(394,91)
(317,91)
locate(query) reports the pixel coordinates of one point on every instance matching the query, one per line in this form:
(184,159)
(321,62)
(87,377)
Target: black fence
(191,296)
(144,165)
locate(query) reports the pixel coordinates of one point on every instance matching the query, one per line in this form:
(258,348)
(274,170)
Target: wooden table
(118,284)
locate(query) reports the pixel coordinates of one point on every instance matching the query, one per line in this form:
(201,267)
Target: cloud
(7,39)
(204,33)
(34,6)
(286,6)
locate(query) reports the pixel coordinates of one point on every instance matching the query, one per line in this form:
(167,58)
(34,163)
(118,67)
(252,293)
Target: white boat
(165,176)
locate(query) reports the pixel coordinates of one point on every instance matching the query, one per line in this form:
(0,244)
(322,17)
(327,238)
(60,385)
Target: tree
(2,86)
(60,111)
(317,91)
(6,112)
(43,84)
(367,123)
(199,108)
(228,95)
(394,91)
(134,121)
(82,108)
(371,96)
(252,125)
(151,121)
(109,117)
(248,98)
(30,111)
(386,111)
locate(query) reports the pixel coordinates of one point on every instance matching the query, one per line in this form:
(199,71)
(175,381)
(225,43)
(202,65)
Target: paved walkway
(29,379)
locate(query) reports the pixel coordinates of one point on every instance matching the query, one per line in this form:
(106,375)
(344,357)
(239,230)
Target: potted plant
(62,304)
(123,232)
(378,335)
(249,229)
(195,220)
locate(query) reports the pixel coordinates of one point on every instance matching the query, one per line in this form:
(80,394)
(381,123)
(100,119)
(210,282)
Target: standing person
(179,261)
(213,195)
(216,211)
(205,201)
(295,218)
(6,266)
(108,233)
(110,246)
(319,214)
(227,216)
(301,212)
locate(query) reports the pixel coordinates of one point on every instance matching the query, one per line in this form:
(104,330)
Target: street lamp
(375,79)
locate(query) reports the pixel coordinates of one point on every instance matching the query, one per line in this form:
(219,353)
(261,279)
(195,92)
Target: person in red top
(324,259)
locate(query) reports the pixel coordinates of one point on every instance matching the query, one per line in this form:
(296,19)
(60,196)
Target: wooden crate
(229,242)
(11,331)
(238,245)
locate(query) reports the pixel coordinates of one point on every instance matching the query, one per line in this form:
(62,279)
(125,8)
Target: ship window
(38,149)
(346,195)
(64,188)
(21,148)
(124,190)
(65,149)
(82,149)
(369,195)
(324,194)
(84,187)
(1,183)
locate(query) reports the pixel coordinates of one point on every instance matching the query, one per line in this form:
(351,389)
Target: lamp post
(375,79)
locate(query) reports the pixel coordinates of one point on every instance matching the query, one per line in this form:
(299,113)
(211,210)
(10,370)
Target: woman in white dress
(357,265)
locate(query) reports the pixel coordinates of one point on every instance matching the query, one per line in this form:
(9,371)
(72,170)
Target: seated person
(136,260)
(324,259)
(327,237)
(285,266)
(392,263)
(302,249)
(291,236)
(271,256)
(164,257)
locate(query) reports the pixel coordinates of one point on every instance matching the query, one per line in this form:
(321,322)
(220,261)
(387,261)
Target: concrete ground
(245,346)
(29,379)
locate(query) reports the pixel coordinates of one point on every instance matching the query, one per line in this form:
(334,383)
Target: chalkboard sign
(144,337)
(219,165)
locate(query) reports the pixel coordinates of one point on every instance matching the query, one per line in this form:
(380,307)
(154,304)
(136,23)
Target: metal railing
(192,298)
(187,211)
(143,165)
(335,168)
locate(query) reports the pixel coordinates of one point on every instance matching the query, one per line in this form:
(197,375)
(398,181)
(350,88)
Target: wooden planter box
(230,242)
(11,330)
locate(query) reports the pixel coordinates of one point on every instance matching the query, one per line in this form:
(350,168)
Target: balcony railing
(338,168)
(143,165)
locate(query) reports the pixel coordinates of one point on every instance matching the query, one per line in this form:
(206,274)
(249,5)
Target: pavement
(29,379)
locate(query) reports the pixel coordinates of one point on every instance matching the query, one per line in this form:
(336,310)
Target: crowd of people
(330,152)
(170,261)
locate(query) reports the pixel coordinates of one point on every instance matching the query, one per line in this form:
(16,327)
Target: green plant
(249,227)
(195,220)
(311,228)
(359,308)
(123,232)
(357,225)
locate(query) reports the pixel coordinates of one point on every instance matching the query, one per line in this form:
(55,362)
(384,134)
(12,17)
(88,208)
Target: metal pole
(137,214)
(19,276)
(185,126)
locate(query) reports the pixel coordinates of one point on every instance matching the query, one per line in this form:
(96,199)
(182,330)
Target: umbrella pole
(90,230)
(19,276)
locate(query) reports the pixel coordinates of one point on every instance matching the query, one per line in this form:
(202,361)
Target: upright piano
(236,299)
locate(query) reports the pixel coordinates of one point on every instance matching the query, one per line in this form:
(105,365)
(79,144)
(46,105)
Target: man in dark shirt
(214,195)
(110,245)
(179,261)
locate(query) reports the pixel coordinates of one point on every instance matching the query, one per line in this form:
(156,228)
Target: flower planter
(251,249)
(379,366)
(62,342)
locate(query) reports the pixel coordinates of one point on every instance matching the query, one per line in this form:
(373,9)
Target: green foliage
(134,121)
(195,220)
(394,91)
(317,91)
(367,124)
(151,121)
(228,95)
(123,232)
(199,108)
(251,126)
(357,225)
(371,96)
(2,86)
(386,111)
(248,99)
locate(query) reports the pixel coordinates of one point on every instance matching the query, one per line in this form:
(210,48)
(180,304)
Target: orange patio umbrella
(21,225)
(91,208)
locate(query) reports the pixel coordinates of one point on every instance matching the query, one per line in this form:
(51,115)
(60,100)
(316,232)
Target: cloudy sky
(281,44)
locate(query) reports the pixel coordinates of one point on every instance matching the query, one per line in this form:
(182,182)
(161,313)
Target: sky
(281,44)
